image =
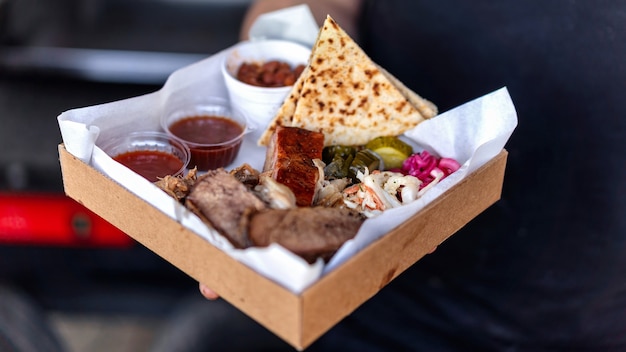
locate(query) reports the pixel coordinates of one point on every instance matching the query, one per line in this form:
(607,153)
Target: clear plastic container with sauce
(152,155)
(211,129)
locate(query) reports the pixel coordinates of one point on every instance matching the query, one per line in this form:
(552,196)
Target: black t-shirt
(545,267)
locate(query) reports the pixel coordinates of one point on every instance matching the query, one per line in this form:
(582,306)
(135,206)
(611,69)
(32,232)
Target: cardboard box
(298,319)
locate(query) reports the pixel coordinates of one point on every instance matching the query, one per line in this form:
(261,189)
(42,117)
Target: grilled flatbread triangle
(346,96)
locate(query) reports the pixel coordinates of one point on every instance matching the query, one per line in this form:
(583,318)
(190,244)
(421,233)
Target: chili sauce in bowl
(212,131)
(152,155)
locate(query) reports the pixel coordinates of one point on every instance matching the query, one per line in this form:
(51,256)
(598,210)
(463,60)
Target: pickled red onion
(448,165)
(428,168)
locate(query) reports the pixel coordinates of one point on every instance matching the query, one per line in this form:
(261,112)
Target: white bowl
(260,103)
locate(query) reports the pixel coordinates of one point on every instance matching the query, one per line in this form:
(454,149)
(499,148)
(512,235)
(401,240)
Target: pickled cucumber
(338,160)
(363,159)
(342,151)
(391,150)
(338,167)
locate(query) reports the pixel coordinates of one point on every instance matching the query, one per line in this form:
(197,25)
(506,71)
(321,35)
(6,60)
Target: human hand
(208,293)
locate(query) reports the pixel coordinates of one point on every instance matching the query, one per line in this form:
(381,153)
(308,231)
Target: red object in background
(54,220)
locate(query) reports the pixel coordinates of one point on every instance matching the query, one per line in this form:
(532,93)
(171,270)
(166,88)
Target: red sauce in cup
(150,164)
(214,141)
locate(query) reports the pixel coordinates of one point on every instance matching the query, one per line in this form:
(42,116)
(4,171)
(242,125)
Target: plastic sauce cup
(152,155)
(211,129)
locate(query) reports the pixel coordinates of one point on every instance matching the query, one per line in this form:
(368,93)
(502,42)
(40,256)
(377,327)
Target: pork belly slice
(310,232)
(220,199)
(289,160)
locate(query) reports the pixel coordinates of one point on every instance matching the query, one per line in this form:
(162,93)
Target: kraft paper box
(296,300)
(299,318)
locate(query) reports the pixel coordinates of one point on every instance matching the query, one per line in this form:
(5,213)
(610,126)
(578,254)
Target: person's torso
(553,249)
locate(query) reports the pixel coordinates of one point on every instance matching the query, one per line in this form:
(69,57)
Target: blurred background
(69,281)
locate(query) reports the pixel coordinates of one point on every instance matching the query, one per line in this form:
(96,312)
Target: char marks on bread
(343,94)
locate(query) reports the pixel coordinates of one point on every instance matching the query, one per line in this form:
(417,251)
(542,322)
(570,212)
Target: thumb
(207,292)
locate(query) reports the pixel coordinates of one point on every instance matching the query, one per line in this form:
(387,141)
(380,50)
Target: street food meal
(254,208)
(346,96)
(243,203)
(273,73)
(333,158)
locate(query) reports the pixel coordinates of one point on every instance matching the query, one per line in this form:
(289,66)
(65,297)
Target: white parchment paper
(472,133)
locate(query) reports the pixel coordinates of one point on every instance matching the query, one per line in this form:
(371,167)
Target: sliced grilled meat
(224,202)
(310,232)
